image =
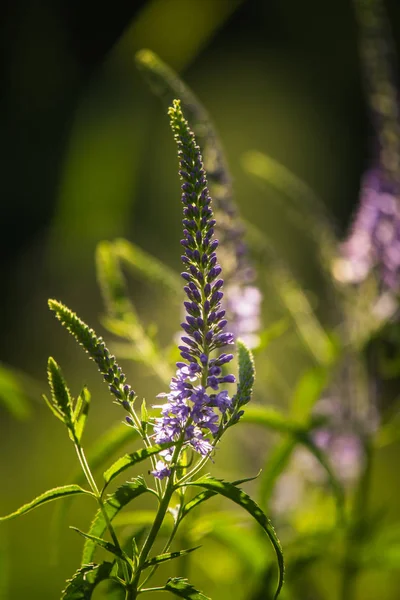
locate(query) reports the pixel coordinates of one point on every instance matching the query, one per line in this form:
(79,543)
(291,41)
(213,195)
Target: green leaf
(203,496)
(128,460)
(112,284)
(304,206)
(160,558)
(148,266)
(271,333)
(182,588)
(60,393)
(308,391)
(99,542)
(49,496)
(81,412)
(271,418)
(114,503)
(274,466)
(246,374)
(81,586)
(237,495)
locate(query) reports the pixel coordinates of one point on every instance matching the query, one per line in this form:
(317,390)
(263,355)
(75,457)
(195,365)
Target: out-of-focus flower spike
(374,239)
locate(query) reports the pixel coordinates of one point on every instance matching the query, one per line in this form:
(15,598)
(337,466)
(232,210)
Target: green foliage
(114,503)
(122,319)
(229,490)
(182,588)
(112,283)
(246,374)
(99,542)
(81,586)
(53,494)
(148,266)
(160,558)
(81,412)
(60,394)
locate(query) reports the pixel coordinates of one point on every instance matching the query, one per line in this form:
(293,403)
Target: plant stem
(92,483)
(162,510)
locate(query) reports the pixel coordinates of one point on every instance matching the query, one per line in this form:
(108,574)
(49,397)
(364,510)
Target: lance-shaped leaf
(128,460)
(60,394)
(99,542)
(81,412)
(81,586)
(237,495)
(182,588)
(49,496)
(203,496)
(160,558)
(274,466)
(96,349)
(114,503)
(112,284)
(245,384)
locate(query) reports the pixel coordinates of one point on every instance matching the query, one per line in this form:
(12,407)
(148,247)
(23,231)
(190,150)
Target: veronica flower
(196,402)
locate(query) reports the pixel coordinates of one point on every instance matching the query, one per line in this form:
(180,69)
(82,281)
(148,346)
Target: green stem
(159,518)
(92,483)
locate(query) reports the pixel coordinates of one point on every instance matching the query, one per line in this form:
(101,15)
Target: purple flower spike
(191,414)
(374,240)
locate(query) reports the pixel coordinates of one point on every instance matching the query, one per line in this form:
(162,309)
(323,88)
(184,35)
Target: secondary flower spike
(195,402)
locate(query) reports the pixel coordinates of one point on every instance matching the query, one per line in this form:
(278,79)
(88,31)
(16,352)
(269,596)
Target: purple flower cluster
(195,402)
(374,240)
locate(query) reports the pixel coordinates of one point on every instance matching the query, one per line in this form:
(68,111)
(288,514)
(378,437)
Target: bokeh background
(87,154)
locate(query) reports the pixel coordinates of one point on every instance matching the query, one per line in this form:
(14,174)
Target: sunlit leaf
(237,495)
(148,266)
(182,588)
(49,496)
(246,374)
(81,586)
(81,411)
(99,542)
(160,558)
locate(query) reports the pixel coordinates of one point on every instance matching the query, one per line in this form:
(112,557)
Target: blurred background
(87,155)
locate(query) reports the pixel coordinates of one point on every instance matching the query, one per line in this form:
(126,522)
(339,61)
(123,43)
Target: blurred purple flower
(374,240)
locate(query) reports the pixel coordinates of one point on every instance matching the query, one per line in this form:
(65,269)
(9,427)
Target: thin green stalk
(162,510)
(167,545)
(92,483)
